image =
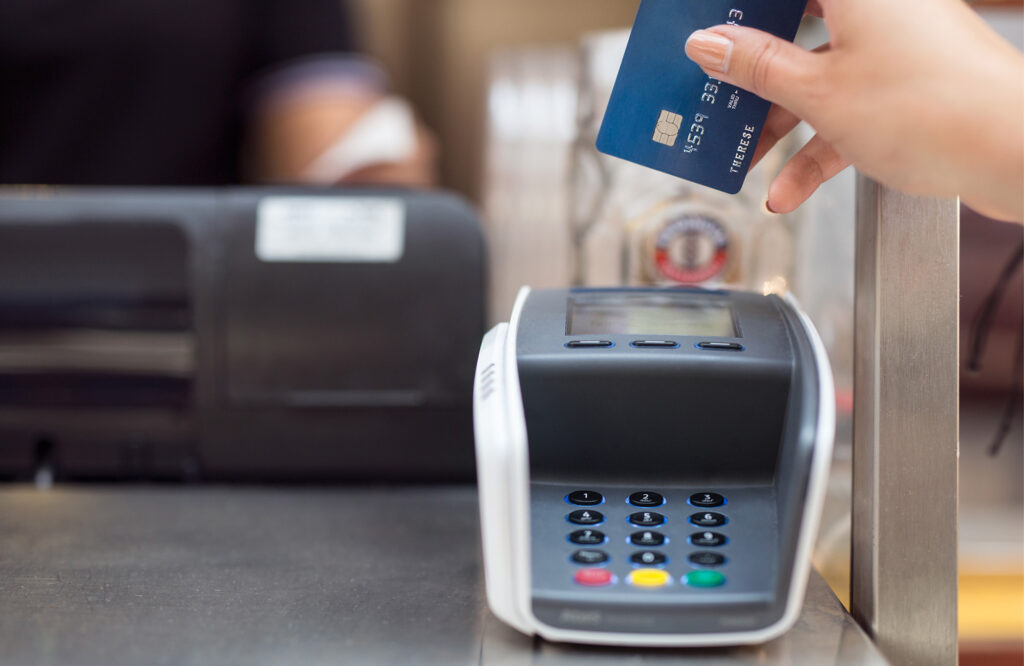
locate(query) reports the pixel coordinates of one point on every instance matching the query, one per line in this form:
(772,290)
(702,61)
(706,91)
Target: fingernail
(768,207)
(710,50)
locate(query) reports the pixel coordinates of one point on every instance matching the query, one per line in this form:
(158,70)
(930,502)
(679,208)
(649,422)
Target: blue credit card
(667,114)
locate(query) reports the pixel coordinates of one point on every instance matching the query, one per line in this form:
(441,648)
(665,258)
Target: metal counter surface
(154,575)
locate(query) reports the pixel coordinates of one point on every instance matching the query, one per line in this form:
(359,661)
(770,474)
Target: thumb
(756,61)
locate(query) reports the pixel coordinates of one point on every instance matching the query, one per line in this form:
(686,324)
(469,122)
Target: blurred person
(197,92)
(923,97)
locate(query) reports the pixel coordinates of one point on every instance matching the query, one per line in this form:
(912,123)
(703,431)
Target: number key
(707,500)
(707,539)
(584,497)
(647,519)
(587,537)
(586,517)
(707,519)
(648,558)
(646,498)
(647,538)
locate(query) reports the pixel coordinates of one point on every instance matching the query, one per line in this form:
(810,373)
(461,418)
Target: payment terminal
(651,464)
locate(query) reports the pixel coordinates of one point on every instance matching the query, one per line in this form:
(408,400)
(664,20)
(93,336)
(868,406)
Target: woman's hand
(923,97)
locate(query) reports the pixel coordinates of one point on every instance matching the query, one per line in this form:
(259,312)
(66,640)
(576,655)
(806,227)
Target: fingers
(815,163)
(814,8)
(756,61)
(778,124)
(782,73)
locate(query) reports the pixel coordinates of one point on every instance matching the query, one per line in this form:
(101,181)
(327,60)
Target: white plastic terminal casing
(503,476)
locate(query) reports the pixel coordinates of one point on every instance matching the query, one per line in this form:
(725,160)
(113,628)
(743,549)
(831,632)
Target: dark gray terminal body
(614,416)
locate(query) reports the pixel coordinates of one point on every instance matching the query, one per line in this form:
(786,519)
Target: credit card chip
(667,128)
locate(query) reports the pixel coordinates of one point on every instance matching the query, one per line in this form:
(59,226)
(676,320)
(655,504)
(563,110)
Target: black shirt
(142,92)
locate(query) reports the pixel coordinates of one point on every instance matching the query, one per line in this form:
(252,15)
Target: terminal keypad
(666,551)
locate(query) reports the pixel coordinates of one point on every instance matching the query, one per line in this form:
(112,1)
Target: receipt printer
(651,464)
(238,334)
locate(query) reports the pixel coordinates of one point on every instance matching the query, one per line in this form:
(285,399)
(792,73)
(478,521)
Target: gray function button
(587,537)
(707,539)
(647,538)
(655,344)
(589,344)
(707,559)
(720,346)
(589,557)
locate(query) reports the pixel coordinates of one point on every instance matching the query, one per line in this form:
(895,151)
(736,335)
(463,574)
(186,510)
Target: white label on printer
(330,229)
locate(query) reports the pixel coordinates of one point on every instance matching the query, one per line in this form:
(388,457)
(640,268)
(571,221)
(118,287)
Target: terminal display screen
(649,314)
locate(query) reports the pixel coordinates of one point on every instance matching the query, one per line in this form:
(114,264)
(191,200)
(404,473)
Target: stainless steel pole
(905,468)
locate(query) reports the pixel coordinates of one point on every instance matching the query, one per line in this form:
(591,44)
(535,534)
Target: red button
(594,577)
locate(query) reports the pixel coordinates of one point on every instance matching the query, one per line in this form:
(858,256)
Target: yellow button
(649,578)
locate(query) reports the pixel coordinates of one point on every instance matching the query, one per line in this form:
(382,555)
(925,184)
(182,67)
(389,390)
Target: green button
(704,579)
